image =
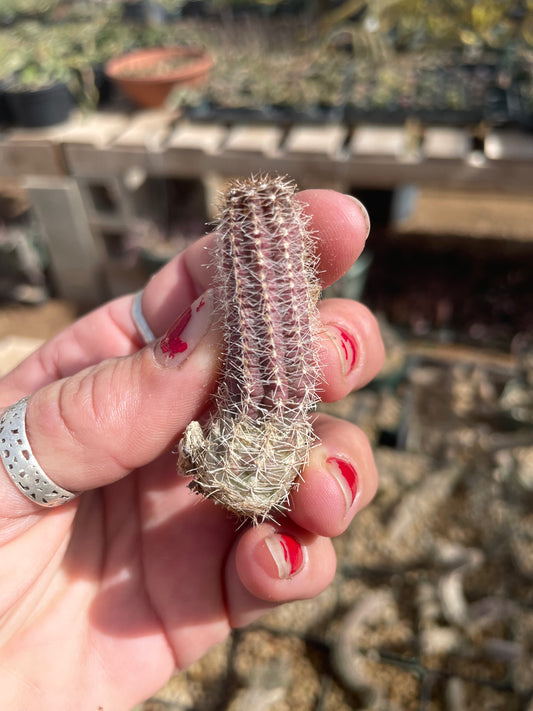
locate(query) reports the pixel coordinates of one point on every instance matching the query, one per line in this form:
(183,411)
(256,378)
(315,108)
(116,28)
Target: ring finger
(339,480)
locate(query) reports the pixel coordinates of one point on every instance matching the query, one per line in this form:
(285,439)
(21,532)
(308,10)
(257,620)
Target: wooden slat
(55,134)
(445,143)
(200,138)
(107,144)
(509,145)
(316,141)
(264,140)
(147,129)
(378,141)
(36,151)
(18,159)
(97,130)
(85,147)
(86,161)
(75,258)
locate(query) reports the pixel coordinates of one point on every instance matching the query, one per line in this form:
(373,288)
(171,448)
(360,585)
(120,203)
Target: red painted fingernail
(172,342)
(346,477)
(181,338)
(346,346)
(287,554)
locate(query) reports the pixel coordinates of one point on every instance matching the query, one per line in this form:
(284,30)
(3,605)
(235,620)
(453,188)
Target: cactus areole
(251,452)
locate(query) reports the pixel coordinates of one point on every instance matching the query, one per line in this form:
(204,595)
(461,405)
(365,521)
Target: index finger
(341,226)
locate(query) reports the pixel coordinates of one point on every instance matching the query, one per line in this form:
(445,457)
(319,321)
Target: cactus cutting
(252,450)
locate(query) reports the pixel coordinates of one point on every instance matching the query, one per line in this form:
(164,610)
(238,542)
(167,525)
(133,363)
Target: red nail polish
(346,477)
(349,347)
(346,345)
(186,332)
(287,554)
(172,343)
(292,551)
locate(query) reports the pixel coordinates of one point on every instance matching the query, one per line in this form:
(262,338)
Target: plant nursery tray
(281,114)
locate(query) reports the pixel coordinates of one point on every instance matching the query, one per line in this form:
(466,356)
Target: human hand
(103,597)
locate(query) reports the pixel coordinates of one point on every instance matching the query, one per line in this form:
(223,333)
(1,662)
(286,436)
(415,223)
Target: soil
(158,70)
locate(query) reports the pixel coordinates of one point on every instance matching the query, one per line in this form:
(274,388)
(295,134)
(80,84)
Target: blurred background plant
(12,9)
(385,53)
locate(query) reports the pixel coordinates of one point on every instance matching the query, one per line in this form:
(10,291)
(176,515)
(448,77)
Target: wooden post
(76,260)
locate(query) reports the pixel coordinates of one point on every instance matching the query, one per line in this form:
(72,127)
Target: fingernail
(346,346)
(182,337)
(364,212)
(346,477)
(286,553)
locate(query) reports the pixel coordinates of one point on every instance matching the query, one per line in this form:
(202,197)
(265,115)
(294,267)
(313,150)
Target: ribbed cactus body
(255,444)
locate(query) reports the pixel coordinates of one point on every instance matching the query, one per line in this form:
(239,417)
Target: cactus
(253,448)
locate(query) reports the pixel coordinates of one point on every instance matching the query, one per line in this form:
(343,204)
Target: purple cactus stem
(252,451)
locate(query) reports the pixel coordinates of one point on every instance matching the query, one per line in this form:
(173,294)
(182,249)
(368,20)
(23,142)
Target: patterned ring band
(20,463)
(139,320)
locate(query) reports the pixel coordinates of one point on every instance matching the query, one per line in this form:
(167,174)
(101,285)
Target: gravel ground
(432,604)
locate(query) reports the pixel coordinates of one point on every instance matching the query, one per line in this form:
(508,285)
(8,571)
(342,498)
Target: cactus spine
(254,446)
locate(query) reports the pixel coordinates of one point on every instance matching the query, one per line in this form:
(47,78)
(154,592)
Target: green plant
(32,60)
(9,9)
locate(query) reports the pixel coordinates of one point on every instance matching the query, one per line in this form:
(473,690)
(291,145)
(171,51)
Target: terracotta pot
(139,78)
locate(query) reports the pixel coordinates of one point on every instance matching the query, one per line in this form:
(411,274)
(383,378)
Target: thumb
(94,427)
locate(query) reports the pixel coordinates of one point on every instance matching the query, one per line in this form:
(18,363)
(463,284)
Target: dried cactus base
(249,467)
(253,449)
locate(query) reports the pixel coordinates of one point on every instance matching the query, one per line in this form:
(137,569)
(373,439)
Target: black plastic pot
(450,117)
(497,110)
(382,116)
(395,115)
(290,8)
(40,107)
(195,9)
(271,113)
(5,113)
(520,108)
(315,114)
(143,12)
(103,85)
(209,111)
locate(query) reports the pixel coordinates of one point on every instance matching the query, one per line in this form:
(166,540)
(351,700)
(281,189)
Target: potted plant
(8,64)
(35,76)
(5,113)
(285,84)
(38,94)
(50,67)
(147,76)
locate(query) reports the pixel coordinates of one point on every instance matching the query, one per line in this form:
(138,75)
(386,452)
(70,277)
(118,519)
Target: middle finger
(351,348)
(339,479)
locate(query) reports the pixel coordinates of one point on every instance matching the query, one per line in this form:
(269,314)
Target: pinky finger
(272,564)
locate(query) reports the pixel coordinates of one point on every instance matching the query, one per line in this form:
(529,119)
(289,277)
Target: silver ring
(139,320)
(20,463)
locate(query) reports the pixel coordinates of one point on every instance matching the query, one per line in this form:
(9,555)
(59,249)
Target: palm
(144,563)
